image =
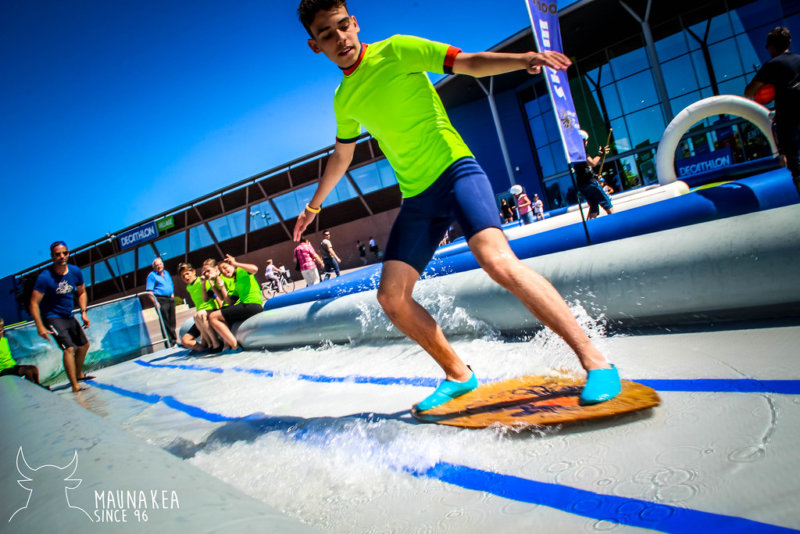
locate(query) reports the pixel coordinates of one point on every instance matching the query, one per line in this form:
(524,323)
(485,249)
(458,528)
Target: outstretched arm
(752,88)
(249,267)
(36,313)
(334,170)
(489,63)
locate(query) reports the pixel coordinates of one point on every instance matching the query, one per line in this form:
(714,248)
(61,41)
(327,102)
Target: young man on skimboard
(385,89)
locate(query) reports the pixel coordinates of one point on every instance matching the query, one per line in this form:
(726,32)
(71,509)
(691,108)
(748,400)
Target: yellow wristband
(313,210)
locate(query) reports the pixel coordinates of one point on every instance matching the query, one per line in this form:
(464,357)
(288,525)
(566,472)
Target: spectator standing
(524,205)
(588,184)
(330,259)
(505,211)
(373,247)
(362,252)
(162,291)
(782,71)
(52,302)
(307,261)
(538,207)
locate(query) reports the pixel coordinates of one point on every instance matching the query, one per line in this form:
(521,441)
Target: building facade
(637,63)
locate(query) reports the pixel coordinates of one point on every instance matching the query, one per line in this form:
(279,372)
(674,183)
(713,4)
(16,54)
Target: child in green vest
(199,290)
(8,366)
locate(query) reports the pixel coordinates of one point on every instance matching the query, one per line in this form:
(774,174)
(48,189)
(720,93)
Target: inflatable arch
(708,107)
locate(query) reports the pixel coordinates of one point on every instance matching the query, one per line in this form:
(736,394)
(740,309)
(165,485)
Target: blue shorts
(462,193)
(596,196)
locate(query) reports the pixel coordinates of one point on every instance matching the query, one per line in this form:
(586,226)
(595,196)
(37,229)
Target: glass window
(87,275)
(371,178)
(199,237)
(261,216)
(622,141)
(720,29)
(146,256)
(750,58)
(551,127)
(733,87)
(700,69)
(123,263)
(532,108)
(344,190)
(758,13)
(291,204)
(629,171)
(546,160)
(671,47)
(725,59)
(172,246)
(611,99)
(629,63)
(540,137)
(229,226)
(101,273)
(678,104)
(679,76)
(637,92)
(646,126)
(736,22)
(367,178)
(560,191)
(386,172)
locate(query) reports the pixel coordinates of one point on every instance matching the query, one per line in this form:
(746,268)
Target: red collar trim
(350,70)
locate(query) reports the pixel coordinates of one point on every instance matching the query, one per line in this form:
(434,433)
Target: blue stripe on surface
(700,385)
(610,508)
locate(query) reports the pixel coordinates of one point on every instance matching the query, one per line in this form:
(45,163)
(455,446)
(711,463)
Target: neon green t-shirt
(388,93)
(247,288)
(195,290)
(6,361)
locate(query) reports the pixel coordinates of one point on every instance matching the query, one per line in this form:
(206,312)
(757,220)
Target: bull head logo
(45,475)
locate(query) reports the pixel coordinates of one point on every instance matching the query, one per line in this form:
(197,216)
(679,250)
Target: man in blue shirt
(52,302)
(162,291)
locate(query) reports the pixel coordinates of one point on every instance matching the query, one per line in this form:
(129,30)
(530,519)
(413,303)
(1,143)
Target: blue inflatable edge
(769,190)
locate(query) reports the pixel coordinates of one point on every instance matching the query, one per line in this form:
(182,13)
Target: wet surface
(325,435)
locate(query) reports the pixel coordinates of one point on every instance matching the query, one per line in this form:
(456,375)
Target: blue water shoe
(601,385)
(447,391)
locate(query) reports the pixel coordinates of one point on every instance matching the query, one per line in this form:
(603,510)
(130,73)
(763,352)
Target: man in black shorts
(783,73)
(52,302)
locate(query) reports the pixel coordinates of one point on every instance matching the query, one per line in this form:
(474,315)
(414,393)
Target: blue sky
(112,111)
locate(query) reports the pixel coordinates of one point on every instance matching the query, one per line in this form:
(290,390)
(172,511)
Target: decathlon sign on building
(707,162)
(138,235)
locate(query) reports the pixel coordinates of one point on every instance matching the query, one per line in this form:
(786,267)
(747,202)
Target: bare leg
(189,342)
(221,327)
(537,294)
(80,356)
(394,295)
(31,373)
(206,332)
(70,368)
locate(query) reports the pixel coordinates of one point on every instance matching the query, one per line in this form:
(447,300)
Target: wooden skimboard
(531,401)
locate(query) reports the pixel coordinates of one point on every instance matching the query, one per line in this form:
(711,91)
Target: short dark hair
(308,9)
(185,267)
(780,38)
